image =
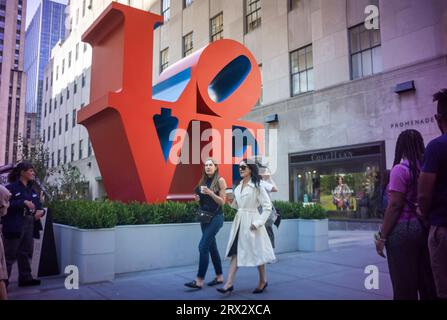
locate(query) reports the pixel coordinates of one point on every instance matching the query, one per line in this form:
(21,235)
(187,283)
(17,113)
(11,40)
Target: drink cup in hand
(202,189)
(230,194)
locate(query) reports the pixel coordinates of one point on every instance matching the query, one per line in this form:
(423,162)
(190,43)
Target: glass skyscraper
(46,29)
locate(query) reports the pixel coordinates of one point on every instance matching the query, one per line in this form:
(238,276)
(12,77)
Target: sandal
(193,285)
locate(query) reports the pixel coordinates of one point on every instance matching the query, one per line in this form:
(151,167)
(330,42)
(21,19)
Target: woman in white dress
(249,244)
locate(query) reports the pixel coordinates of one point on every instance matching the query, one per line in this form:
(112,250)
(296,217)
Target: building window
(164,59)
(89,148)
(69,59)
(75,87)
(294,4)
(65,155)
(83,8)
(61,99)
(366,57)
(54,130)
(77,52)
(344,186)
(83,80)
(72,156)
(301,70)
(253,14)
(43,135)
(63,66)
(51,103)
(45,110)
(52,159)
(60,126)
(166,9)
(80,149)
(46,84)
(66,122)
(59,157)
(216,26)
(73,119)
(262,87)
(49,133)
(28,129)
(68,93)
(187,44)
(187,3)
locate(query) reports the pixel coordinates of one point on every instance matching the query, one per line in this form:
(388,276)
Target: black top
(206,202)
(435,158)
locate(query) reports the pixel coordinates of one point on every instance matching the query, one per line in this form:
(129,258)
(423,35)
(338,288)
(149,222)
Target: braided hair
(410,145)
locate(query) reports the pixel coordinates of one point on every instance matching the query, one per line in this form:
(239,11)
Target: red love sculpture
(131,122)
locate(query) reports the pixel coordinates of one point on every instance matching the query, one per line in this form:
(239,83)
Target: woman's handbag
(278,218)
(204,216)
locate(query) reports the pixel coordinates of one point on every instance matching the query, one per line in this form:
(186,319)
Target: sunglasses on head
(242,167)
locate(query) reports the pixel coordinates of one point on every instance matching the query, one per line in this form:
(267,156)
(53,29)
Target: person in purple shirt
(433,196)
(402,234)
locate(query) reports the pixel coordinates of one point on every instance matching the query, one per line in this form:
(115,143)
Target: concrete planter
(94,254)
(92,251)
(313,235)
(100,254)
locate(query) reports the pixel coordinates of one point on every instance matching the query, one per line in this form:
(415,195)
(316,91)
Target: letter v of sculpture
(129,121)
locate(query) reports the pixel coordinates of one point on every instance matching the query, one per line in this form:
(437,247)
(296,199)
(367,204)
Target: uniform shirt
(13,221)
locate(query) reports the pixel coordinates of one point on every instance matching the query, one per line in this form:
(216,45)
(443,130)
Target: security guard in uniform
(18,225)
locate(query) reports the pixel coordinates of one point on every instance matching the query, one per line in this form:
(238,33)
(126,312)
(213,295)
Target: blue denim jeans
(208,246)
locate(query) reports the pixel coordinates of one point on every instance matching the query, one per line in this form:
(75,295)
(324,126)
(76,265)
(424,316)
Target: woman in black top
(210,193)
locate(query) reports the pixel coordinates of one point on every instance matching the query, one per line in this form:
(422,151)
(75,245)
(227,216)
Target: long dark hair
(14,175)
(214,179)
(410,145)
(255,176)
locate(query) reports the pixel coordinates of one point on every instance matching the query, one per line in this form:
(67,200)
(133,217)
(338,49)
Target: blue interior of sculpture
(171,89)
(229,79)
(242,138)
(165,124)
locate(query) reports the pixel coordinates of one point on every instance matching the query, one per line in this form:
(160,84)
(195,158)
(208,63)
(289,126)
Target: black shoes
(29,283)
(193,285)
(222,290)
(257,290)
(214,282)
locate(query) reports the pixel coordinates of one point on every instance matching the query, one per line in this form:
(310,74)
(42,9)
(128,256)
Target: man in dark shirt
(433,196)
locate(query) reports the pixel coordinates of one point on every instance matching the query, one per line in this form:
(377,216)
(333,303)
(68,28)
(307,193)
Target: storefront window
(346,182)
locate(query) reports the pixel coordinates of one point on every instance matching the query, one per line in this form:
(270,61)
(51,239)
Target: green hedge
(107,214)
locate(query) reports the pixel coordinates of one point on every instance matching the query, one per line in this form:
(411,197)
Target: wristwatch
(379,236)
